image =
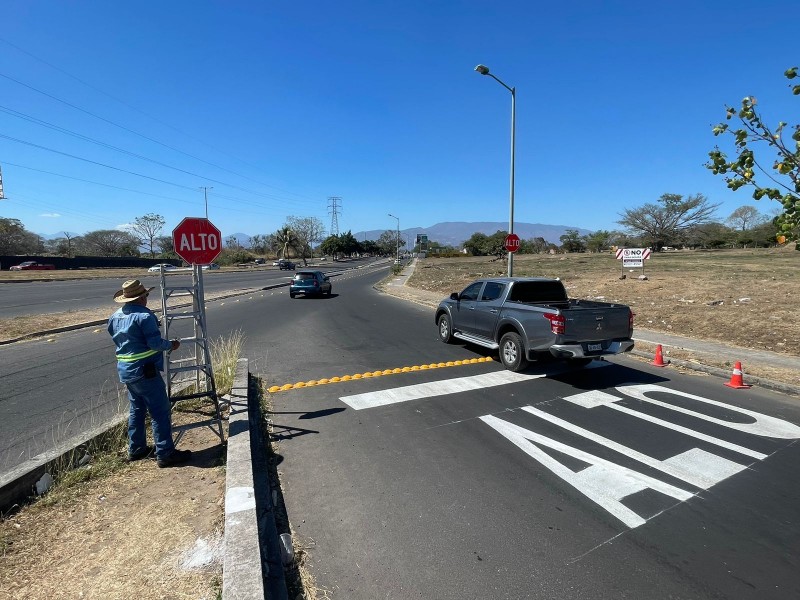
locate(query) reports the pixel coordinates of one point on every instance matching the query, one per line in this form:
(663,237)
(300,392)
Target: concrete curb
(253,567)
(241,573)
(17,485)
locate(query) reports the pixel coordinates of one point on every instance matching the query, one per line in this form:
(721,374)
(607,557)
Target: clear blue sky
(280,105)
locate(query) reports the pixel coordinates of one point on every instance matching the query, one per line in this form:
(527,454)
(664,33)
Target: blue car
(310,283)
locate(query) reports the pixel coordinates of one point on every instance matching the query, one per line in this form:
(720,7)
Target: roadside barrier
(737,380)
(658,361)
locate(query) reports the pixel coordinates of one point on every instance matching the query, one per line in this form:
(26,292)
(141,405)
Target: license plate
(595,347)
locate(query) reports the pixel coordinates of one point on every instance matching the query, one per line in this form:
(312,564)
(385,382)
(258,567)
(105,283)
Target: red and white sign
(633,253)
(197,240)
(511,243)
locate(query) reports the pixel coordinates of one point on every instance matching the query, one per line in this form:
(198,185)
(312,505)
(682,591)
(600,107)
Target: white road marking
(764,425)
(604,482)
(596,398)
(698,467)
(434,388)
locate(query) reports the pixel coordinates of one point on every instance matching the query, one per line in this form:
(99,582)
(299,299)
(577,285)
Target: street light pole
(483,70)
(398,235)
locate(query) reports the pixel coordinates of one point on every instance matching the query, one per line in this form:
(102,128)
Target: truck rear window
(538,292)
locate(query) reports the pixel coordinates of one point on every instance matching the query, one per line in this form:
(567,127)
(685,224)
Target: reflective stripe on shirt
(135,357)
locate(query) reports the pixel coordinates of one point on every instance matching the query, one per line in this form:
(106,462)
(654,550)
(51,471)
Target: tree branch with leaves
(784,175)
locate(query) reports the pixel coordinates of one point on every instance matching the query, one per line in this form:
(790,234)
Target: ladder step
(192,315)
(190,368)
(193,396)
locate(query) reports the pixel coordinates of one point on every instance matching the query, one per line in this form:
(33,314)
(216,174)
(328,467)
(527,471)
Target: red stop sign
(197,240)
(512,242)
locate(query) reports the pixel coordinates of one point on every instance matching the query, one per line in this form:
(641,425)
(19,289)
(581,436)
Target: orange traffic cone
(737,381)
(658,361)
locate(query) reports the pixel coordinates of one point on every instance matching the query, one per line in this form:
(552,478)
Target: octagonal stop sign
(511,243)
(197,240)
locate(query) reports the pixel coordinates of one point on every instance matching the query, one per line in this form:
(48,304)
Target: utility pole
(2,197)
(205,190)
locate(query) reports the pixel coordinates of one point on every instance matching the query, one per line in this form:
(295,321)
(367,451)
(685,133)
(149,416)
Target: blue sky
(280,105)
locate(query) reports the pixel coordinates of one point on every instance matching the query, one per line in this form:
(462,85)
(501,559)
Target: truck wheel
(445,329)
(512,353)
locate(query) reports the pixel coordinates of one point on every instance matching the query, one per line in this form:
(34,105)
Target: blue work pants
(150,395)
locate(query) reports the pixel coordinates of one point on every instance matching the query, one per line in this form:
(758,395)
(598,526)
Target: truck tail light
(630,319)
(558,323)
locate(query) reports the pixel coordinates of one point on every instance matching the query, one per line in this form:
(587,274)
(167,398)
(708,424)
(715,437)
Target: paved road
(43,297)
(52,389)
(616,481)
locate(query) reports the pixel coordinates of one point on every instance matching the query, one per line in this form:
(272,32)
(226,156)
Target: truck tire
(445,329)
(512,352)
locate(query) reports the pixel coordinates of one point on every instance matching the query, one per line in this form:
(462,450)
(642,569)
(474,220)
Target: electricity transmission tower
(334,208)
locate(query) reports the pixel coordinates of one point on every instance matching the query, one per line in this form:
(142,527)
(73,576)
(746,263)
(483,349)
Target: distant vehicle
(310,283)
(259,261)
(276,263)
(157,268)
(530,318)
(32,265)
(210,267)
(286,265)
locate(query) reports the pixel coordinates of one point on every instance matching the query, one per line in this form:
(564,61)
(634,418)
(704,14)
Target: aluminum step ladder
(189,375)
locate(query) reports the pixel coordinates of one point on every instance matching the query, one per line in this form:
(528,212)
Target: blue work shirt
(134,329)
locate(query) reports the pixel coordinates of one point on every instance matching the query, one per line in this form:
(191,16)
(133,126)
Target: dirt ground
(141,532)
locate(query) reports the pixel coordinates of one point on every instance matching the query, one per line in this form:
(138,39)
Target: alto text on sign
(197,240)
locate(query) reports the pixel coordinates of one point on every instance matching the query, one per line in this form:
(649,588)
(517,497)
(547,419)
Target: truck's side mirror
(454,296)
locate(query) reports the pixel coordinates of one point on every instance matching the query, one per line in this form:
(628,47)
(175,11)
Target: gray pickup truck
(529,318)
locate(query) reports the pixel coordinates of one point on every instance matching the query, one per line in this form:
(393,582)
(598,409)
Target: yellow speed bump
(378,373)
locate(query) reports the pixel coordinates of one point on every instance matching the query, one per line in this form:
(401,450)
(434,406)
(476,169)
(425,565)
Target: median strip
(369,374)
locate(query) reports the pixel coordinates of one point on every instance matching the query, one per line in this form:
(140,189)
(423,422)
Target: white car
(157,268)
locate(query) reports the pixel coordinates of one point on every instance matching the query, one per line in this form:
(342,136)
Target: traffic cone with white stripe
(737,381)
(658,361)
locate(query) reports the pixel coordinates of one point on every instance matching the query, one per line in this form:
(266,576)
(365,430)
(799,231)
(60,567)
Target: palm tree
(286,239)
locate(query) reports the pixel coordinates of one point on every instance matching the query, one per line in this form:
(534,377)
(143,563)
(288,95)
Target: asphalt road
(615,481)
(56,387)
(43,297)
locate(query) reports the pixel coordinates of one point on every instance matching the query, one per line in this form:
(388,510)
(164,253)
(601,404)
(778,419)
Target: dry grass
(745,298)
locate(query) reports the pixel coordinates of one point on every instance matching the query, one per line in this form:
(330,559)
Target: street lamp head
(482,69)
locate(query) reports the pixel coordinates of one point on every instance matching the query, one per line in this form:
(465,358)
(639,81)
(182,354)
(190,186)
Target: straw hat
(131,290)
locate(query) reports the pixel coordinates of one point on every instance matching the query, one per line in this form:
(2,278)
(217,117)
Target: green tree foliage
(147,229)
(572,241)
(14,239)
(286,239)
(388,242)
(781,181)
(598,241)
(665,222)
(480,244)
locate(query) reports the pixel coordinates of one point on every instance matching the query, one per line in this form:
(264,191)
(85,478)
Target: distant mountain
(455,233)
(242,238)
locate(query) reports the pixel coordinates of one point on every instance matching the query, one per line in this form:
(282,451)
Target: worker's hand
(175,345)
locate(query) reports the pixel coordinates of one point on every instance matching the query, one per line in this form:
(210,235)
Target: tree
(572,241)
(14,239)
(744,218)
(665,223)
(388,242)
(480,244)
(109,242)
(599,241)
(147,229)
(784,174)
(308,230)
(286,239)
(232,242)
